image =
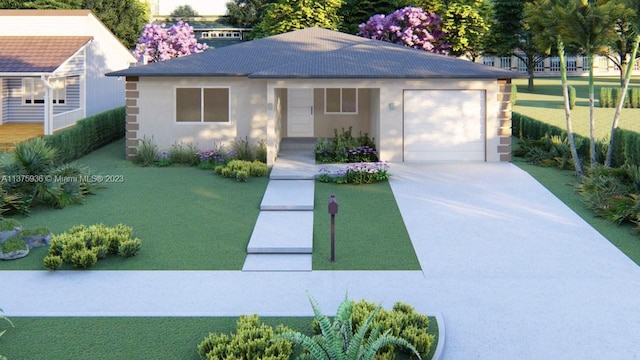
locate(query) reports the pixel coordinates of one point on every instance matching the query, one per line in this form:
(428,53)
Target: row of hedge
(626,146)
(609,97)
(88,134)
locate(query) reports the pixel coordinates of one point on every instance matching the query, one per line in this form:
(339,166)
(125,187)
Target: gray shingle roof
(318,53)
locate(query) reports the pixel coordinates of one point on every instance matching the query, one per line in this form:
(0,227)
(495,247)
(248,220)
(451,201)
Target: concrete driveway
(516,273)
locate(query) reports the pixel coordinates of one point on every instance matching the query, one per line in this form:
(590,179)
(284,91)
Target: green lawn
(546,103)
(370,232)
(191,219)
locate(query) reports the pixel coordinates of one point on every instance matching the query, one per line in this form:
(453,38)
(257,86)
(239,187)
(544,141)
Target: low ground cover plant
(356,173)
(241,161)
(82,246)
(32,176)
(345,148)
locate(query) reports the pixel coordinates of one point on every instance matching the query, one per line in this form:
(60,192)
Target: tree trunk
(592,120)
(616,116)
(530,80)
(567,110)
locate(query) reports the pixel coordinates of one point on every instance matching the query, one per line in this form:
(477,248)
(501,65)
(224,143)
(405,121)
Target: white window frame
(539,67)
(522,65)
(554,64)
(585,63)
(30,87)
(202,88)
(505,62)
(341,112)
(489,61)
(572,64)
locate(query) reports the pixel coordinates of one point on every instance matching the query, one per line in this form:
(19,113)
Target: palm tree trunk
(592,120)
(567,110)
(623,93)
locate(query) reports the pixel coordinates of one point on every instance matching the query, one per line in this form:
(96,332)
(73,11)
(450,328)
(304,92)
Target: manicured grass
(546,103)
(140,338)
(137,338)
(370,232)
(187,218)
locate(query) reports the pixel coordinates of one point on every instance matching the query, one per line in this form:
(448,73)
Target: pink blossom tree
(409,26)
(159,43)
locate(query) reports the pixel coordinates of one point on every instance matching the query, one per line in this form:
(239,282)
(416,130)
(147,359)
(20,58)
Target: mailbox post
(333,210)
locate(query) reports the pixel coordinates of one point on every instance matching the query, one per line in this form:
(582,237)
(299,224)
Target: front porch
(13,133)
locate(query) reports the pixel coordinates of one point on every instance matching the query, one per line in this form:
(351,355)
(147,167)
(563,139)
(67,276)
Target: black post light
(333,210)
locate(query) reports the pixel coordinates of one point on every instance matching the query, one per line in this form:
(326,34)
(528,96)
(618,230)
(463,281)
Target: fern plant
(339,341)
(4,318)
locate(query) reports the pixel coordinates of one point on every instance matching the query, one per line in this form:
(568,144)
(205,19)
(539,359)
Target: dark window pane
(188,108)
(216,105)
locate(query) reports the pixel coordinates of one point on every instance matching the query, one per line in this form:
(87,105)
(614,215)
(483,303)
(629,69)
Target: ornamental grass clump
(241,170)
(82,246)
(356,173)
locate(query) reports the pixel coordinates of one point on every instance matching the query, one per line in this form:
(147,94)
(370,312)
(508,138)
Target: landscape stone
(14,254)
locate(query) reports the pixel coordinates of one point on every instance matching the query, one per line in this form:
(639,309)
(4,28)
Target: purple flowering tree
(409,26)
(159,43)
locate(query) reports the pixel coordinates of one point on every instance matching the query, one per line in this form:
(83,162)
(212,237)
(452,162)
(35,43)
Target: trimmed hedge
(609,97)
(88,134)
(626,145)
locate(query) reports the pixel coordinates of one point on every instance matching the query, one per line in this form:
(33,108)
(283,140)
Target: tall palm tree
(543,17)
(590,24)
(634,7)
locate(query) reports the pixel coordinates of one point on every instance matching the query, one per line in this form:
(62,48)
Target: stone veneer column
(504,119)
(132,127)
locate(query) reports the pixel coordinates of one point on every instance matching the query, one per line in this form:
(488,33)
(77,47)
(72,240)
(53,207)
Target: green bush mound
(82,246)
(13,244)
(241,170)
(345,148)
(252,340)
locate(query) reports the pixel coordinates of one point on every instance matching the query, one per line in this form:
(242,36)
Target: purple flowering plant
(357,173)
(164,159)
(410,26)
(159,43)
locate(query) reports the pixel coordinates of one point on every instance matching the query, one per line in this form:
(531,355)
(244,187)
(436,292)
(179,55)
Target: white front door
(300,113)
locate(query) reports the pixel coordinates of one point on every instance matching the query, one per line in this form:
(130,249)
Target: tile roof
(21,12)
(318,53)
(37,54)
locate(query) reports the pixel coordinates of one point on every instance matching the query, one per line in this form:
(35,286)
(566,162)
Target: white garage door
(444,125)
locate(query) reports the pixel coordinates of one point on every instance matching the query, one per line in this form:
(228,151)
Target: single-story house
(418,106)
(53,65)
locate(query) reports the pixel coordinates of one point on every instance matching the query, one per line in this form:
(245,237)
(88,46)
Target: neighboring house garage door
(444,125)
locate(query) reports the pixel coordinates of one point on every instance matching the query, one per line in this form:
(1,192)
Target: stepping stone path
(282,239)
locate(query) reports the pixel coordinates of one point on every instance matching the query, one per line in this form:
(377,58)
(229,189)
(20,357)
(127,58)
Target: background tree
(356,12)
(246,13)
(510,36)
(41,4)
(159,43)
(543,19)
(634,25)
(184,11)
(288,15)
(125,18)
(466,24)
(409,26)
(621,46)
(590,24)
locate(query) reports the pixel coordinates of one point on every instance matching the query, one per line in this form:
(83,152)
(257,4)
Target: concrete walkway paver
(513,271)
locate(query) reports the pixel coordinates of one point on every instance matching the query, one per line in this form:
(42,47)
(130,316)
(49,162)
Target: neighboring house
(417,105)
(52,66)
(576,65)
(213,30)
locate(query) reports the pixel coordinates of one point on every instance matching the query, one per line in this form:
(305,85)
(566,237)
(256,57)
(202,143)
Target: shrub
(210,158)
(146,153)
(82,246)
(345,148)
(242,169)
(88,134)
(9,224)
(605,97)
(514,94)
(183,154)
(572,97)
(52,262)
(130,247)
(252,340)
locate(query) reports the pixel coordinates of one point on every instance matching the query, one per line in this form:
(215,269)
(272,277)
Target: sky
(203,7)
